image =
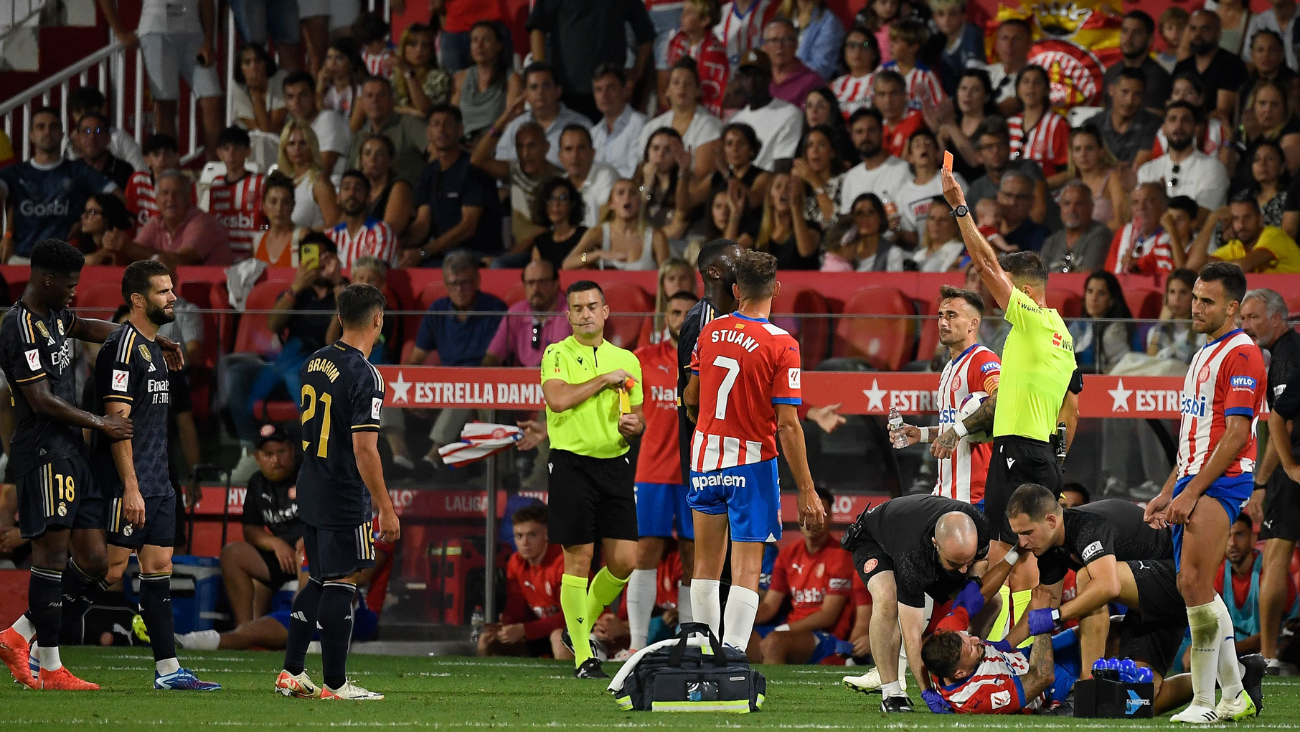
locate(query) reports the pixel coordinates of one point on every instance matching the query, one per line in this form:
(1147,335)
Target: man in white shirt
(779,124)
(542,91)
(618,132)
(594,180)
(1185,170)
(879,172)
(1281,19)
(332,131)
(1012,43)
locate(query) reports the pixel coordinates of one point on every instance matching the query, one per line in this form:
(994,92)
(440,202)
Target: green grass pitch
(468,693)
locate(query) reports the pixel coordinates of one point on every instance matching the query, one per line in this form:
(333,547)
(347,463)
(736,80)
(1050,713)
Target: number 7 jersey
(746,366)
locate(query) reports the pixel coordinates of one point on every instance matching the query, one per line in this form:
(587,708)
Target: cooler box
(1102,699)
(196,584)
(450,565)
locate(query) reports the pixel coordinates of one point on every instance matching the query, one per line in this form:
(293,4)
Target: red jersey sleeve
(1112,258)
(985,370)
(516,609)
(785,384)
(1243,376)
(957,620)
(1060,152)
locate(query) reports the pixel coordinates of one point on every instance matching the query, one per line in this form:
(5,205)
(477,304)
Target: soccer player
(340,489)
(963,464)
(660,494)
(59,508)
(744,392)
(1222,394)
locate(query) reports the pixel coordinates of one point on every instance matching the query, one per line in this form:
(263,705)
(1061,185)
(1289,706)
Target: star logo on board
(401,389)
(1120,395)
(875,397)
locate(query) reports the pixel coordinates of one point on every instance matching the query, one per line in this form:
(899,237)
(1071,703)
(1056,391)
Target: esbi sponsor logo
(238,221)
(1193,405)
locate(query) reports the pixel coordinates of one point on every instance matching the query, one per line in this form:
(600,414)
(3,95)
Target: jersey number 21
(308,406)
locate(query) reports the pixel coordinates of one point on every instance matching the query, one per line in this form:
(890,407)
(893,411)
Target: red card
(947,161)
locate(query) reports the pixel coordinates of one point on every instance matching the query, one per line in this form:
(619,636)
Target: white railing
(16,13)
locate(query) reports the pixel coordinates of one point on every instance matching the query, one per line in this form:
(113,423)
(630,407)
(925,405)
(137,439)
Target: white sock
(199,640)
(640,604)
(50,660)
(35,651)
(1229,669)
(403,462)
(684,603)
(168,666)
(891,689)
(706,605)
(738,619)
(1204,622)
(25,627)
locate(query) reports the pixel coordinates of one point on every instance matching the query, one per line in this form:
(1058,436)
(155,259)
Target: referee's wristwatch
(960,211)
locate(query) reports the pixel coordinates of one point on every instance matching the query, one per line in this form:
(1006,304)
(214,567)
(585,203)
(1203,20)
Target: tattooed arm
(981,420)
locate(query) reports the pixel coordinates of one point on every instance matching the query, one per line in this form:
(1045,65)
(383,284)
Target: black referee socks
(45,600)
(302,623)
(156,609)
(335,621)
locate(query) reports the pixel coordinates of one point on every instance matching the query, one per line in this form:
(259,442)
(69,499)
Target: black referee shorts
(1153,632)
(590,498)
(1281,508)
(1016,461)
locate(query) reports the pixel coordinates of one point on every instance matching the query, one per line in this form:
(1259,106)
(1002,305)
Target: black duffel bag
(678,677)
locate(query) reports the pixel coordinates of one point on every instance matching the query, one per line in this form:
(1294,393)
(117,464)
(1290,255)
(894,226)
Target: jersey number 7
(308,405)
(724,389)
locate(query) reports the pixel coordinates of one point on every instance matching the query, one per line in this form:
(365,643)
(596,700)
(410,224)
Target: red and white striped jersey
(746,366)
(1211,139)
(962,476)
(922,84)
(238,206)
(1151,254)
(853,92)
(375,61)
(710,63)
(140,199)
(740,31)
(1226,378)
(995,686)
(1047,142)
(375,239)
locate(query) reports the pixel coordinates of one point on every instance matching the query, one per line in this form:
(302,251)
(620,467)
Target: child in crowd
(1173,29)
(371,33)
(906,37)
(879,16)
(988,216)
(841,245)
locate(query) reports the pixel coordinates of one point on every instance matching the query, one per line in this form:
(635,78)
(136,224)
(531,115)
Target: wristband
(1012,556)
(925,435)
(960,429)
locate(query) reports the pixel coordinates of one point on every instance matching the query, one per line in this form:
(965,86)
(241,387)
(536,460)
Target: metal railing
(17,13)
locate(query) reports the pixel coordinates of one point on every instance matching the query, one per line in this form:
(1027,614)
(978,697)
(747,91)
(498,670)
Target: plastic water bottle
(1144,675)
(476,623)
(1128,671)
(896,435)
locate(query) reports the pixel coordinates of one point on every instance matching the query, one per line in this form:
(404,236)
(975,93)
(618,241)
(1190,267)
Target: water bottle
(476,623)
(1144,675)
(896,434)
(1128,671)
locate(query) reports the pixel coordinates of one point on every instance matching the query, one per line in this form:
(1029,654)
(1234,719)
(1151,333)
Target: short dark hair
(749,134)
(889,75)
(357,303)
(948,292)
(1247,196)
(370,27)
(871,112)
(354,173)
(686,63)
(325,243)
(941,653)
(1233,279)
(1078,488)
(541,67)
(684,295)
(277,180)
(55,256)
(993,126)
(1244,518)
(710,251)
(1183,275)
(1025,267)
(1148,23)
(825,494)
(300,77)
(1180,104)
(47,110)
(535,512)
(1032,500)
(575,127)
(95,116)
(138,277)
(85,98)
(378,80)
(1187,205)
(158,142)
(1132,74)
(583,286)
(755,274)
(610,69)
(446,108)
(1017,23)
(233,135)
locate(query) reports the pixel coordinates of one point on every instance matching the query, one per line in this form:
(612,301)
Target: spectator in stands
(594,182)
(1015,198)
(861,59)
(456,202)
(338,85)
(532,622)
(1173,29)
(1084,242)
(1281,19)
(1184,170)
(391,198)
(47,193)
(878,16)
(418,82)
(1143,245)
(275,20)
(881,172)
(915,196)
(1038,133)
(458,20)
(332,131)
(941,247)
(1270,181)
(483,87)
(1253,246)
(371,32)
(524,173)
(817,576)
(676,275)
(531,324)
(235,196)
(1188,87)
(88,100)
(898,121)
(1270,118)
(740,178)
(160,153)
(1099,346)
(320,19)
(277,245)
(388,349)
(906,38)
(784,232)
(542,93)
(258,97)
(92,133)
(963,46)
(1173,338)
(578,36)
(661,173)
(1177,222)
(406,132)
(617,133)
(994,141)
(696,48)
(1092,164)
(104,217)
(777,122)
(820,34)
(252,570)
(1136,36)
(1011,45)
(1128,128)
(956,121)
(315,202)
(1233,17)
(1074,495)
(358,235)
(875,252)
(1269,64)
(822,109)
(1220,70)
(624,239)
(181,233)
(559,209)
(177,41)
(700,130)
(820,171)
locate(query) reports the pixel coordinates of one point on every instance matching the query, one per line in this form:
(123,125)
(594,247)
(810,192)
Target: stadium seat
(253,335)
(885,343)
(813,333)
(515,294)
(1068,304)
(1143,303)
(99,300)
(625,331)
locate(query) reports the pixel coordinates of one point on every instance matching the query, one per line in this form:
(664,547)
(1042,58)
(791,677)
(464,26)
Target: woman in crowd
(740,146)
(875,251)
(338,86)
(820,172)
(1234,18)
(1268,63)
(658,180)
(316,206)
(1092,163)
(956,123)
(861,58)
(784,232)
(418,81)
(699,130)
(941,248)
(1269,118)
(482,89)
(1098,346)
(278,244)
(820,34)
(391,199)
(258,97)
(822,109)
(558,208)
(675,275)
(104,218)
(1173,337)
(1038,133)
(914,196)
(624,239)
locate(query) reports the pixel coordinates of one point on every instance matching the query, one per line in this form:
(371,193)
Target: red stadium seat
(515,294)
(1068,304)
(253,335)
(99,299)
(885,343)
(813,333)
(1143,303)
(625,331)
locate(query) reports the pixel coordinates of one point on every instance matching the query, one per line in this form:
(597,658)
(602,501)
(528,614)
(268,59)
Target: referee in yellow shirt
(593,406)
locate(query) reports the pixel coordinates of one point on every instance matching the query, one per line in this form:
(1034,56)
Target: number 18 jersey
(746,366)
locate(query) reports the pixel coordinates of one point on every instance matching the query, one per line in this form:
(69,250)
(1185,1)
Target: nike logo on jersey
(1010,462)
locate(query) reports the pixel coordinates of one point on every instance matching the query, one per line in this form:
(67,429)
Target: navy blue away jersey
(48,201)
(130,370)
(341,394)
(32,349)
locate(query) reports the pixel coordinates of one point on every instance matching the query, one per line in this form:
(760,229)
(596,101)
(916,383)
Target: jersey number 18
(308,405)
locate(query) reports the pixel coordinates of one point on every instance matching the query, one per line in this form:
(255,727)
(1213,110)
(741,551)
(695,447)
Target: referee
(593,406)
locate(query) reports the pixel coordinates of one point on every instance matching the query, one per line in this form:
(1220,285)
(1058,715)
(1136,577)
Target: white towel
(479,440)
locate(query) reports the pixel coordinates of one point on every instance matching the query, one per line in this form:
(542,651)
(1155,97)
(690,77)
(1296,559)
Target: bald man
(1220,70)
(905,549)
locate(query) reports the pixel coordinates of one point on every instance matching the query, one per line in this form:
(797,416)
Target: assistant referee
(593,406)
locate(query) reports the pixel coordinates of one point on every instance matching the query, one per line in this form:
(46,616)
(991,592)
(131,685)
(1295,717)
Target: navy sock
(45,600)
(302,623)
(156,608)
(80,590)
(336,631)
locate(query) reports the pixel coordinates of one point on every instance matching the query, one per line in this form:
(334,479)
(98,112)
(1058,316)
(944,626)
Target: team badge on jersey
(144,353)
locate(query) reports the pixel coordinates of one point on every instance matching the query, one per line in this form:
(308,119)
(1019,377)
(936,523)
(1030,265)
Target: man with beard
(994,140)
(1135,36)
(1251,245)
(358,234)
(1185,170)
(131,382)
(1222,71)
(1129,127)
(879,172)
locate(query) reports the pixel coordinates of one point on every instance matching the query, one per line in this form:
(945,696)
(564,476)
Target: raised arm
(982,254)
